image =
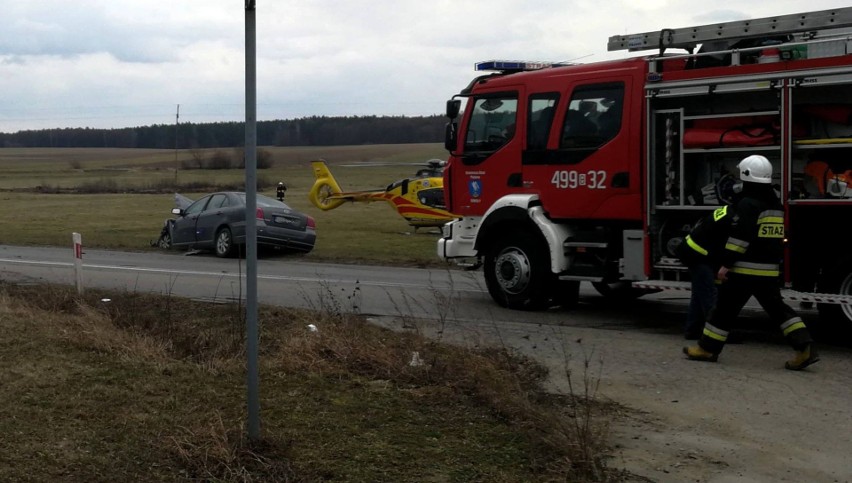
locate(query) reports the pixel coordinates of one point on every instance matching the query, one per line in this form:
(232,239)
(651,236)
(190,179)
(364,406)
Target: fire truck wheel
(837,281)
(517,272)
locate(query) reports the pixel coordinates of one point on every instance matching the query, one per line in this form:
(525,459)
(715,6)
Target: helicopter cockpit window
(402,184)
(492,123)
(432,197)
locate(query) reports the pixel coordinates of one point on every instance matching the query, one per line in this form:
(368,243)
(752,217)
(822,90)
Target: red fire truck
(562,173)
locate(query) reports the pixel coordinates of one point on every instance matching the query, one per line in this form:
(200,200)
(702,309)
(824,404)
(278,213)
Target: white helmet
(756,169)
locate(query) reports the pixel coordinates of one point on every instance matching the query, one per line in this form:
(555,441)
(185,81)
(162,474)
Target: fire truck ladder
(689,37)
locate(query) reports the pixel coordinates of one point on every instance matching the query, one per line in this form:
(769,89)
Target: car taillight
(259,214)
(312,223)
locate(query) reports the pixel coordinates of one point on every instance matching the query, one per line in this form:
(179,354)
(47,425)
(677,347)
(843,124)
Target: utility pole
(251,223)
(177,120)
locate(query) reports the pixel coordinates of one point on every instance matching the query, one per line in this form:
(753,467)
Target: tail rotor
(324,188)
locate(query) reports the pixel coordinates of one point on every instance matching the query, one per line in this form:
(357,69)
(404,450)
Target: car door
(183,232)
(211,218)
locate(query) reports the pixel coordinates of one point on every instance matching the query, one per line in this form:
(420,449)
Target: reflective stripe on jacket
(707,238)
(757,269)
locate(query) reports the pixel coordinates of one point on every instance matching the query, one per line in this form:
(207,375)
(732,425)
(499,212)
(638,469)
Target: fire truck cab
(563,173)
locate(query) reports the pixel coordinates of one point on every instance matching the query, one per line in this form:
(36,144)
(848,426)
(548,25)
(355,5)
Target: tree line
(308,131)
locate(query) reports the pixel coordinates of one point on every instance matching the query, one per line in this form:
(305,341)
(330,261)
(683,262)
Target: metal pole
(177,121)
(251,223)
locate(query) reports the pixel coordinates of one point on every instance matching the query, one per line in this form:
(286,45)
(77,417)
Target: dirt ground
(742,419)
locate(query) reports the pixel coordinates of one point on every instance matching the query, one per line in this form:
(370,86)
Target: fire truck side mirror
(450,136)
(451,131)
(453,108)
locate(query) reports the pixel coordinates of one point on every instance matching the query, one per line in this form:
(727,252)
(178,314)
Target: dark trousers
(733,295)
(703,297)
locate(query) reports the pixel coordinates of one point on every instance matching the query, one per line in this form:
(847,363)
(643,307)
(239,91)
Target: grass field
(38,210)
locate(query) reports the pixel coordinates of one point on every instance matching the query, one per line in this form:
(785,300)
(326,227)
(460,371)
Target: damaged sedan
(217,222)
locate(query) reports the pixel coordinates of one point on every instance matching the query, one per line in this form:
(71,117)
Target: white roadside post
(78,261)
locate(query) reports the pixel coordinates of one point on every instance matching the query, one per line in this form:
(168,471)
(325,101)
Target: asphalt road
(743,419)
(288,281)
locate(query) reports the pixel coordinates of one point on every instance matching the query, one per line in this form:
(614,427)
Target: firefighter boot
(803,359)
(696,353)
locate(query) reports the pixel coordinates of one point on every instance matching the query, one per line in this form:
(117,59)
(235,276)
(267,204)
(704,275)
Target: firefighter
(700,251)
(750,265)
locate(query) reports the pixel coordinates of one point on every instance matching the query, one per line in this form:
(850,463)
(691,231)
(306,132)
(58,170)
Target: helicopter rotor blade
(439,163)
(376,165)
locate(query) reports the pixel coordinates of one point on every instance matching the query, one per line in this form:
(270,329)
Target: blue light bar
(510,65)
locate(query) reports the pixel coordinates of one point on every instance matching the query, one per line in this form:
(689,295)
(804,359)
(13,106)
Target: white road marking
(223,274)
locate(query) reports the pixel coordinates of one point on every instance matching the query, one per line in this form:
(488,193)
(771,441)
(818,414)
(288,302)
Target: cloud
(718,16)
(102,63)
(129,31)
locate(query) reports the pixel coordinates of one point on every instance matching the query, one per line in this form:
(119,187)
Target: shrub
(219,160)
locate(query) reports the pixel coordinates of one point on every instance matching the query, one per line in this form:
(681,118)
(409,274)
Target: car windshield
(265,201)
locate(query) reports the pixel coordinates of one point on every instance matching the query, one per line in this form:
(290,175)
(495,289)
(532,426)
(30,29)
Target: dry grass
(152,388)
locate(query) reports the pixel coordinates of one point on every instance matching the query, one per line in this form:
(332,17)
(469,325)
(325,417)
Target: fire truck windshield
(492,123)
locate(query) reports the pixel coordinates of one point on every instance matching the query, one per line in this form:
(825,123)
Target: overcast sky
(123,63)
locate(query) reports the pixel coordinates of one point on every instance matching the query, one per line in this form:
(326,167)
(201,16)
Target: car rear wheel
(224,243)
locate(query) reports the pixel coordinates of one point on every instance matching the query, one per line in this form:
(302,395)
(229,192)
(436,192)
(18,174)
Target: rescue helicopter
(419,199)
